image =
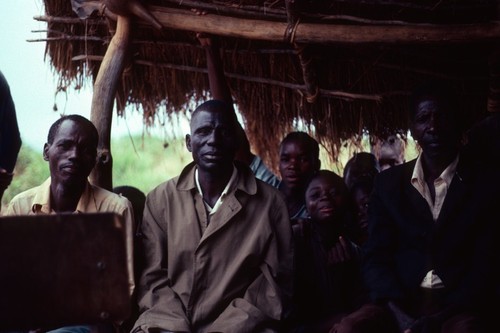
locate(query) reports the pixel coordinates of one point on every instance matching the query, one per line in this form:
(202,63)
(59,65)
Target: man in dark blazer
(432,256)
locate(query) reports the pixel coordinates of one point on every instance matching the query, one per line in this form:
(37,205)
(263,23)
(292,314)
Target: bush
(30,171)
(146,162)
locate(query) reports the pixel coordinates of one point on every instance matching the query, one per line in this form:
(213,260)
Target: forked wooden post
(306,60)
(103,100)
(493,104)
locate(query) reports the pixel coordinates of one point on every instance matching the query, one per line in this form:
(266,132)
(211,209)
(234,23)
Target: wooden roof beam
(493,104)
(325,33)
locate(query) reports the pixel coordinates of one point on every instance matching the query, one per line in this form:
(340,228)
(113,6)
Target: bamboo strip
(65,38)
(67,20)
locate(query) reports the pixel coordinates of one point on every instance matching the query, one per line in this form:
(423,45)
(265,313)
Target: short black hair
(77,119)
(216,105)
(363,183)
(136,197)
(311,144)
(362,164)
(338,182)
(443,92)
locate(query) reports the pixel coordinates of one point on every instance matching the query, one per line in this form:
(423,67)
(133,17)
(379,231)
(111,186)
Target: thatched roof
(340,67)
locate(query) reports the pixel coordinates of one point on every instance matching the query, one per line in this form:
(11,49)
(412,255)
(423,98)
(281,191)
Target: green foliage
(145,162)
(30,171)
(142,162)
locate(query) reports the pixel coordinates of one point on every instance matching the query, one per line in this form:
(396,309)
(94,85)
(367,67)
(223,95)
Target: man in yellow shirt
(71,151)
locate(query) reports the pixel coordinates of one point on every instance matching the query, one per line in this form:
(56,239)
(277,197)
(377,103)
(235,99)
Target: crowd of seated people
(227,246)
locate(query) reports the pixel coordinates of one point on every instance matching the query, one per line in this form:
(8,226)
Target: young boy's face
(296,164)
(361,198)
(325,198)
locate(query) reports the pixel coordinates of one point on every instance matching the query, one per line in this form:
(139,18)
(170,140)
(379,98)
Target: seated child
(328,281)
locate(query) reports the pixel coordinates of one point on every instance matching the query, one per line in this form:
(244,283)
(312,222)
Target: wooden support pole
(306,60)
(493,104)
(103,98)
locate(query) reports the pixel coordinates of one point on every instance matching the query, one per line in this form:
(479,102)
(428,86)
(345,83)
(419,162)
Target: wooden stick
(325,33)
(55,39)
(67,20)
(298,87)
(87,57)
(313,33)
(239,10)
(306,61)
(349,18)
(244,10)
(493,103)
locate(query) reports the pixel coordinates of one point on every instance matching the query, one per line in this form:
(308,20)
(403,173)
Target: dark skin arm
(342,251)
(424,324)
(219,89)
(218,85)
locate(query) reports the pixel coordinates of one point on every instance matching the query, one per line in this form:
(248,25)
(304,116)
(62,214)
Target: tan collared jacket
(231,275)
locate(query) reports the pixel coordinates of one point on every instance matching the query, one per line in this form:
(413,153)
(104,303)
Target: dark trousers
(425,315)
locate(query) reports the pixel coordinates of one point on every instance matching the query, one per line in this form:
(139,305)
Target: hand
(427,324)
(342,251)
(433,322)
(199,11)
(204,39)
(405,322)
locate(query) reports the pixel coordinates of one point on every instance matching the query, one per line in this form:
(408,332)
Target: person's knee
(73,329)
(370,318)
(463,323)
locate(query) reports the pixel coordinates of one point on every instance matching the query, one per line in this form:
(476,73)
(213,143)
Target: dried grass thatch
(337,91)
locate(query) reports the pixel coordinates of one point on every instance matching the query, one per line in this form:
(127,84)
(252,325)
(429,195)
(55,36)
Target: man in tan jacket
(217,241)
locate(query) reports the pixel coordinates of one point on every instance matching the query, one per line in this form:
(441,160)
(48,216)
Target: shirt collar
(41,201)
(229,187)
(417,178)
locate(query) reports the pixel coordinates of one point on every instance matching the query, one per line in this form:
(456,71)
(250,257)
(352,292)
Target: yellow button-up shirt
(93,200)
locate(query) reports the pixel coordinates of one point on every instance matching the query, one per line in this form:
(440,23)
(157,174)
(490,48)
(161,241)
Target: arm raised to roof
(219,89)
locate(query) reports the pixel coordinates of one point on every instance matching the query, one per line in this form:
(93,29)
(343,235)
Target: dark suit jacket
(10,139)
(462,246)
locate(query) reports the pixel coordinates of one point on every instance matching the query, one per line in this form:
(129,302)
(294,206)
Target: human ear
(188,143)
(45,151)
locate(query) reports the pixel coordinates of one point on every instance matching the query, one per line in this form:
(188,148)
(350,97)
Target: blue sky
(32,82)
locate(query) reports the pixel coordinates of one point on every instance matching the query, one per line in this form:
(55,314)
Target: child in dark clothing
(328,283)
(360,192)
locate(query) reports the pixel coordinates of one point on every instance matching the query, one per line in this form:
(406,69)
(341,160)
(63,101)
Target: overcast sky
(33,84)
